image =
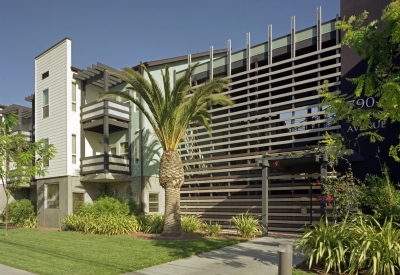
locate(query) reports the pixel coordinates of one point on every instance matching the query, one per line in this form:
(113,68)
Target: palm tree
(170,112)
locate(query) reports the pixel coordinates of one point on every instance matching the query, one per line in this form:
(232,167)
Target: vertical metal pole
(106,133)
(324,175)
(265,165)
(269,44)
(189,66)
(229,56)
(247,51)
(83,136)
(211,62)
(293,36)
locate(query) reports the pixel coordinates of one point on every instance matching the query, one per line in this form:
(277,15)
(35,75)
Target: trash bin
(285,259)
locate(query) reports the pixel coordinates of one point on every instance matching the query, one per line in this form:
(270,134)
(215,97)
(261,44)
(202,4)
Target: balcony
(104,163)
(93,116)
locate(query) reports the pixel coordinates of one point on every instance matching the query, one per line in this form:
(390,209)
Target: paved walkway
(258,256)
(7,270)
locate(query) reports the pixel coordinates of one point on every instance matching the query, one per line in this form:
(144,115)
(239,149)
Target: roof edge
(55,45)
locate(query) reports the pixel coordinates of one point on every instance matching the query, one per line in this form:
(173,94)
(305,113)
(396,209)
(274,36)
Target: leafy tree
(170,112)
(379,44)
(20,159)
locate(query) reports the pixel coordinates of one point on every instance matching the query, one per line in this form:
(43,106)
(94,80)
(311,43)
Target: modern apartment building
(257,159)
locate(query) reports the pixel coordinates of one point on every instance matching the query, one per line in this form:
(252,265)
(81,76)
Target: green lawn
(73,253)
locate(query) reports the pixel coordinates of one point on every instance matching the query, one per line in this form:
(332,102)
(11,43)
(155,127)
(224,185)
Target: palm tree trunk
(171,179)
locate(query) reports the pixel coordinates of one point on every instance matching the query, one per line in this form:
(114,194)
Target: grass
(73,253)
(298,272)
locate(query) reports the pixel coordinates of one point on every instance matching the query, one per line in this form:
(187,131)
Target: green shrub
(190,223)
(152,223)
(107,224)
(247,225)
(353,246)
(21,213)
(375,247)
(212,229)
(105,206)
(326,244)
(382,197)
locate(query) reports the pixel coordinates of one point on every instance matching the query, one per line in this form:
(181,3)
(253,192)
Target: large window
(73,97)
(45,103)
(52,196)
(153,202)
(124,149)
(73,149)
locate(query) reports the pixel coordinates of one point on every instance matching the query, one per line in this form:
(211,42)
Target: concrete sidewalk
(258,256)
(7,270)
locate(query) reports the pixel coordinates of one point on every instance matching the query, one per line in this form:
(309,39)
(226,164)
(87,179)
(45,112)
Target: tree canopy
(379,44)
(20,159)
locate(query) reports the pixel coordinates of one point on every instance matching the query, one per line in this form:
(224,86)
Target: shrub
(375,247)
(190,223)
(382,197)
(152,223)
(211,229)
(326,244)
(107,224)
(247,225)
(105,206)
(354,246)
(21,213)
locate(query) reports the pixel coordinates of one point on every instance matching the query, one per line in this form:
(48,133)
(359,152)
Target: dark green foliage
(382,197)
(105,190)
(105,206)
(22,213)
(152,223)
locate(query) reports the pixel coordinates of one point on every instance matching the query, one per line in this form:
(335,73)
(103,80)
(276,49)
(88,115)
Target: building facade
(258,158)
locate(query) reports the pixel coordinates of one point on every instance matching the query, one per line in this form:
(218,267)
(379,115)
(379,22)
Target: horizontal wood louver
(277,107)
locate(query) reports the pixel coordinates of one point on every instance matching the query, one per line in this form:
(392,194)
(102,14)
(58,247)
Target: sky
(122,33)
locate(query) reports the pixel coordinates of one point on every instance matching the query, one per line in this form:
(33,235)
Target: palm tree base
(172,217)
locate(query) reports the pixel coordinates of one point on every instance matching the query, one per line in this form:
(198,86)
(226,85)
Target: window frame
(136,155)
(56,200)
(44,106)
(121,151)
(154,203)
(73,97)
(73,150)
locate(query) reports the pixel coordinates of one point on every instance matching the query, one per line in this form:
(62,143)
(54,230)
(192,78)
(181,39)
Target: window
(113,149)
(153,202)
(45,75)
(137,151)
(52,196)
(124,149)
(73,97)
(73,149)
(46,161)
(78,199)
(45,103)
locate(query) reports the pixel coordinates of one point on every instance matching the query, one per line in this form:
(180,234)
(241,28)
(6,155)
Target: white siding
(57,61)
(74,127)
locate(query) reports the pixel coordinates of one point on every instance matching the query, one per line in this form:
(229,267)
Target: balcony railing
(27,134)
(104,163)
(115,109)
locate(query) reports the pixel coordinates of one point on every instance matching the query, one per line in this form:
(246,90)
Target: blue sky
(121,33)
